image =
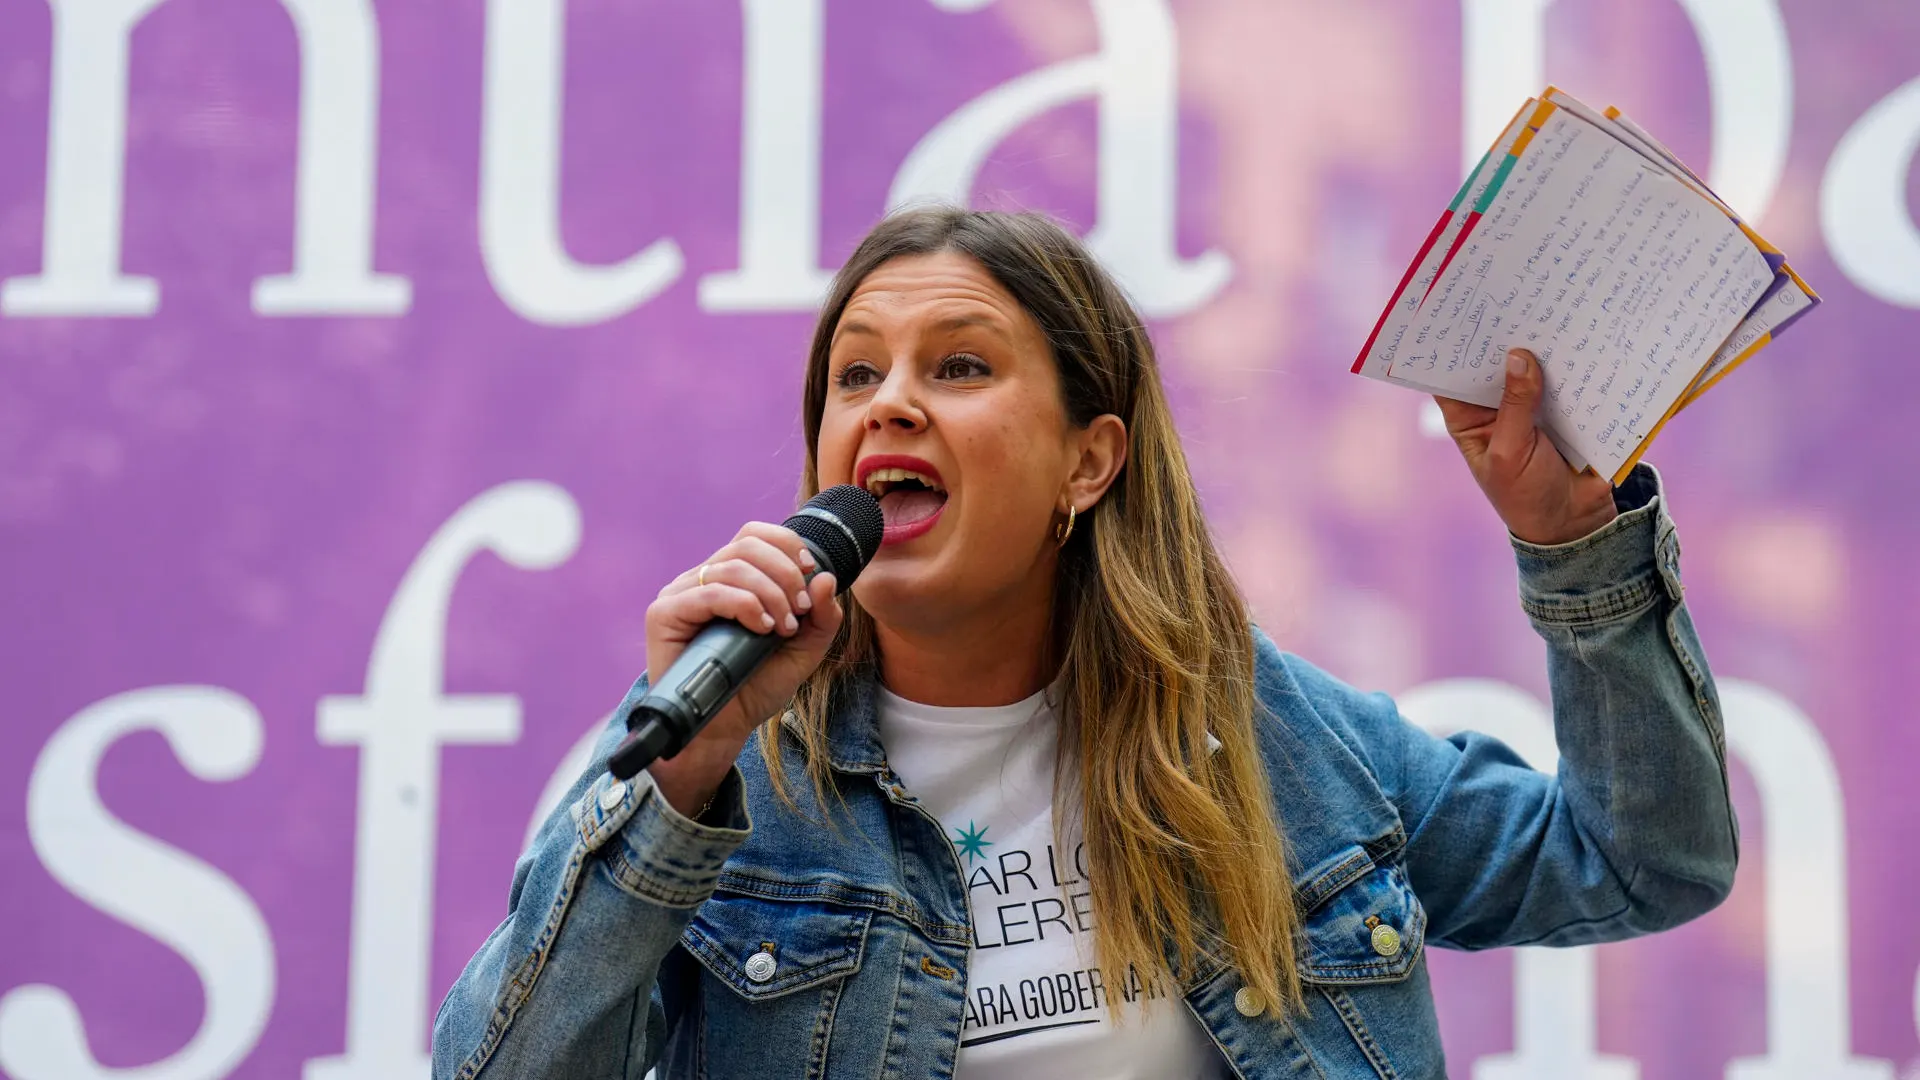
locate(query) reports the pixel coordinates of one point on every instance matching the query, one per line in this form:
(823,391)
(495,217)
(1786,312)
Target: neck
(996,658)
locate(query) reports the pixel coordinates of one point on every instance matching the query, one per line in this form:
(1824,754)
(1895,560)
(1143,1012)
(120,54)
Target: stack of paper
(1581,238)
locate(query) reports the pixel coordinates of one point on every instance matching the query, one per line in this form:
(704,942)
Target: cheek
(1021,469)
(839,440)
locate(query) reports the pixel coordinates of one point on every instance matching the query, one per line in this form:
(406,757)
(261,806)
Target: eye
(962,366)
(856,375)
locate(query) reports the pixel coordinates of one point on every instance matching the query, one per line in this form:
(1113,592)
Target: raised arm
(1636,833)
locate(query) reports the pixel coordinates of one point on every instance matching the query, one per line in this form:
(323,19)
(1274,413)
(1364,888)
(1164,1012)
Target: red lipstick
(908,515)
(866,465)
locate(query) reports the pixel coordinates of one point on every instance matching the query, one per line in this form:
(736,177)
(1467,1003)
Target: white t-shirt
(1036,1001)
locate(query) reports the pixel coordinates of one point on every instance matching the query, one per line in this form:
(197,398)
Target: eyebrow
(962,322)
(946,325)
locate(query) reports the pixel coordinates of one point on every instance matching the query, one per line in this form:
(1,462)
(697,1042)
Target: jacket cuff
(661,855)
(1611,573)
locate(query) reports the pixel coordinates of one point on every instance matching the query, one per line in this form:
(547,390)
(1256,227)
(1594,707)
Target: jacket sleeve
(570,985)
(1636,833)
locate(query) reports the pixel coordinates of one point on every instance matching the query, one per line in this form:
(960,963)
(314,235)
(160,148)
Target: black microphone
(842,527)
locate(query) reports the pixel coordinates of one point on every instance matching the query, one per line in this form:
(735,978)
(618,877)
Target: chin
(883,590)
(895,592)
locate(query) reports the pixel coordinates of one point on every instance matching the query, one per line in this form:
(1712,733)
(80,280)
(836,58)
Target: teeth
(878,479)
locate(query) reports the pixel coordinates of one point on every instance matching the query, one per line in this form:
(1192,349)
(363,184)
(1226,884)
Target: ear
(1102,447)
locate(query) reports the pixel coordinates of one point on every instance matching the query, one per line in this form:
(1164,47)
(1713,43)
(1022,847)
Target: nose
(895,403)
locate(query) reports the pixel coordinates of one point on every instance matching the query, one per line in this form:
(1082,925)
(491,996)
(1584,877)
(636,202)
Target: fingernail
(802,601)
(766,621)
(806,560)
(792,623)
(1516,362)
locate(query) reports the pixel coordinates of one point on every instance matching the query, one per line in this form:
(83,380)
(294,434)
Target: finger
(783,538)
(790,567)
(775,537)
(1513,431)
(740,573)
(1463,417)
(775,562)
(684,613)
(820,627)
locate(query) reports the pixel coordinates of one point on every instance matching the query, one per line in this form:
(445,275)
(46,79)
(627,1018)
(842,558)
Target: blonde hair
(1153,638)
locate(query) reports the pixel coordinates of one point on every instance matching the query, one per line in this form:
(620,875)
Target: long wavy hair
(1151,634)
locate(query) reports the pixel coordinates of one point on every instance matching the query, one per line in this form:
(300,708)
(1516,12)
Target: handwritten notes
(1785,300)
(1582,240)
(1390,334)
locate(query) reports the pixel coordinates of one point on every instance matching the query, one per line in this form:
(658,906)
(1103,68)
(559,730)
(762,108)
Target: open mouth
(910,501)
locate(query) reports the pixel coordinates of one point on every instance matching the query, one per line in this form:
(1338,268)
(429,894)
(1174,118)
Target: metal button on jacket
(760,966)
(1248,1002)
(1386,940)
(611,797)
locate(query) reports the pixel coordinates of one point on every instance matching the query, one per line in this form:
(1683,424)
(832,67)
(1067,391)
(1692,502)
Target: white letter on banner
(400,723)
(1134,76)
(779,164)
(520,182)
(1749,84)
(1809,1023)
(86,170)
(163,892)
(339,144)
(1554,1003)
(1863,201)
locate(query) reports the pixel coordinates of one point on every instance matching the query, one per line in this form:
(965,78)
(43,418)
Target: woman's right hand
(757,580)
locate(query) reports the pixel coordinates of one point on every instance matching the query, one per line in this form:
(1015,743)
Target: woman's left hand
(1531,487)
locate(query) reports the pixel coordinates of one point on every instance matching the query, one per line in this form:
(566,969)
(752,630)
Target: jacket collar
(853,731)
(853,746)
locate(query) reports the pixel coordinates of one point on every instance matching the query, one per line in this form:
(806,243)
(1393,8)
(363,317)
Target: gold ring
(701,577)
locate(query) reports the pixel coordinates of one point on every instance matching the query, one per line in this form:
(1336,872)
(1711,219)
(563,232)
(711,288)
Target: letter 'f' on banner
(400,723)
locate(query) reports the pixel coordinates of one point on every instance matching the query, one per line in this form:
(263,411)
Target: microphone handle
(716,663)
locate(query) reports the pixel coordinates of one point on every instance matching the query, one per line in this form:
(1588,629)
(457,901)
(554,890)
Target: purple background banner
(365,368)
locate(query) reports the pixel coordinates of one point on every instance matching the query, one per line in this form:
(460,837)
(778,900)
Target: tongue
(910,505)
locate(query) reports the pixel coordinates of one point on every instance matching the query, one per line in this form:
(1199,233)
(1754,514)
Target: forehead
(941,290)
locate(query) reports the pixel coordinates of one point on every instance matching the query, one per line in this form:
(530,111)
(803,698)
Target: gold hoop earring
(1065,528)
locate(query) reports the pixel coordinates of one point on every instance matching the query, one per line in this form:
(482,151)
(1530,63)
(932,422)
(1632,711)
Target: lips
(911,493)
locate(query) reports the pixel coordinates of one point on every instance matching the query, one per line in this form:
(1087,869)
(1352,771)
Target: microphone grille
(843,524)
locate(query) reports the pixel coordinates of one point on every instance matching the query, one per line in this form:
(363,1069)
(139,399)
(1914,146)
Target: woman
(1038,800)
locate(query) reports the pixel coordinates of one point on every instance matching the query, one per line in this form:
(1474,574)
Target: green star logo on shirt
(973,841)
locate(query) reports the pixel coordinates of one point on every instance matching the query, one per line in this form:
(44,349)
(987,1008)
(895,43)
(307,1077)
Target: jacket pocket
(1365,925)
(764,949)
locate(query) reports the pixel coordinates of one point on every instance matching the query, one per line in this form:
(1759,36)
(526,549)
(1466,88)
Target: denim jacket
(636,938)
